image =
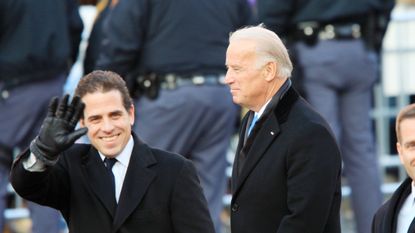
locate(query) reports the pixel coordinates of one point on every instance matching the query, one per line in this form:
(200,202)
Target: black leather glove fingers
(52,106)
(58,129)
(75,111)
(61,110)
(71,115)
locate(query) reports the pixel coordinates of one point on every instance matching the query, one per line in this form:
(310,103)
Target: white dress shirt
(261,111)
(120,167)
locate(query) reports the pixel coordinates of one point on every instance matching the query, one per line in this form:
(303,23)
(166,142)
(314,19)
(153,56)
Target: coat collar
(268,130)
(270,105)
(394,205)
(99,179)
(136,182)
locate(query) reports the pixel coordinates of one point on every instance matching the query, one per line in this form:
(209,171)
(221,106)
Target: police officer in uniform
(336,44)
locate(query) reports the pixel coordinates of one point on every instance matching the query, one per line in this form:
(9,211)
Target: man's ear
(131,113)
(399,149)
(270,71)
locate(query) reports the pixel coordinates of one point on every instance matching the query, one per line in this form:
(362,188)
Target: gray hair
(269,47)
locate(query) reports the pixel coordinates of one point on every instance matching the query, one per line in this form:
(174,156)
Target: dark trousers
(22,113)
(339,76)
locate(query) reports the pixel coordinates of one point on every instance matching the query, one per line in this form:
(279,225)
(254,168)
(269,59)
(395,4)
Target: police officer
(38,42)
(335,42)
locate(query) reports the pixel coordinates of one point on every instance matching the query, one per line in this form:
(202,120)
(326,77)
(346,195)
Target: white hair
(269,47)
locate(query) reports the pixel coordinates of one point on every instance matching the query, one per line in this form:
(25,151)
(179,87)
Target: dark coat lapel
(136,182)
(262,135)
(395,203)
(238,149)
(267,134)
(98,177)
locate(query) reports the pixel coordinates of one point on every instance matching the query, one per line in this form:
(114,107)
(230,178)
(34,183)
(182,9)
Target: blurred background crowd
(352,62)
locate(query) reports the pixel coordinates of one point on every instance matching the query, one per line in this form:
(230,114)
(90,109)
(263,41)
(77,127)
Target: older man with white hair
(286,175)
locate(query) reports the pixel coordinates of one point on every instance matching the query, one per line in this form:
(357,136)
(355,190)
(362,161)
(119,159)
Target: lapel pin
(272,133)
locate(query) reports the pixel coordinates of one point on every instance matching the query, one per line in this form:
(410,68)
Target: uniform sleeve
(75,27)
(123,35)
(247,14)
(189,207)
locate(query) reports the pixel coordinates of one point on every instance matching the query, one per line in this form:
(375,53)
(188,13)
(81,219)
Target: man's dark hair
(104,81)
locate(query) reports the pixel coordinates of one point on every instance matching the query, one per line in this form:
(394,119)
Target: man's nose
(107,125)
(228,78)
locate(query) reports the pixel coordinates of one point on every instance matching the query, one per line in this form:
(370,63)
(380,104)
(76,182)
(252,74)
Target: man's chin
(235,100)
(109,152)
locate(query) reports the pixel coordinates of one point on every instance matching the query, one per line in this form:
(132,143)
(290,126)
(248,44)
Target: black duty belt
(173,81)
(312,31)
(8,83)
(150,84)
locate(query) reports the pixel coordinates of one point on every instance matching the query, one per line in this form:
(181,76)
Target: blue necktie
(252,123)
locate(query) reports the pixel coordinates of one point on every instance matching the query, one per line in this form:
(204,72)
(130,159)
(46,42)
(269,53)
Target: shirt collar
(261,111)
(412,194)
(125,155)
(280,93)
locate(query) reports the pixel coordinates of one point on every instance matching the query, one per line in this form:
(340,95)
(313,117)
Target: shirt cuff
(32,164)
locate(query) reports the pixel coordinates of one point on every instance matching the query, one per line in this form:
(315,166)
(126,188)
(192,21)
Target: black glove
(58,129)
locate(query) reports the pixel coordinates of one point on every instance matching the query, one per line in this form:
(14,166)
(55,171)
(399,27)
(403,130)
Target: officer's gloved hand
(58,129)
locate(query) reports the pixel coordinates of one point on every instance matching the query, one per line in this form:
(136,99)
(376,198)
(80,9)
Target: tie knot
(109,162)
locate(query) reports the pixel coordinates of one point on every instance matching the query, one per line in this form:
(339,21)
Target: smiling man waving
(117,184)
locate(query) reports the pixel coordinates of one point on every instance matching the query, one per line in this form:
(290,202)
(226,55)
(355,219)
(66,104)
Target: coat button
(235,207)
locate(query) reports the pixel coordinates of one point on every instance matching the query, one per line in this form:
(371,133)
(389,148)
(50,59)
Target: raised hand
(58,129)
